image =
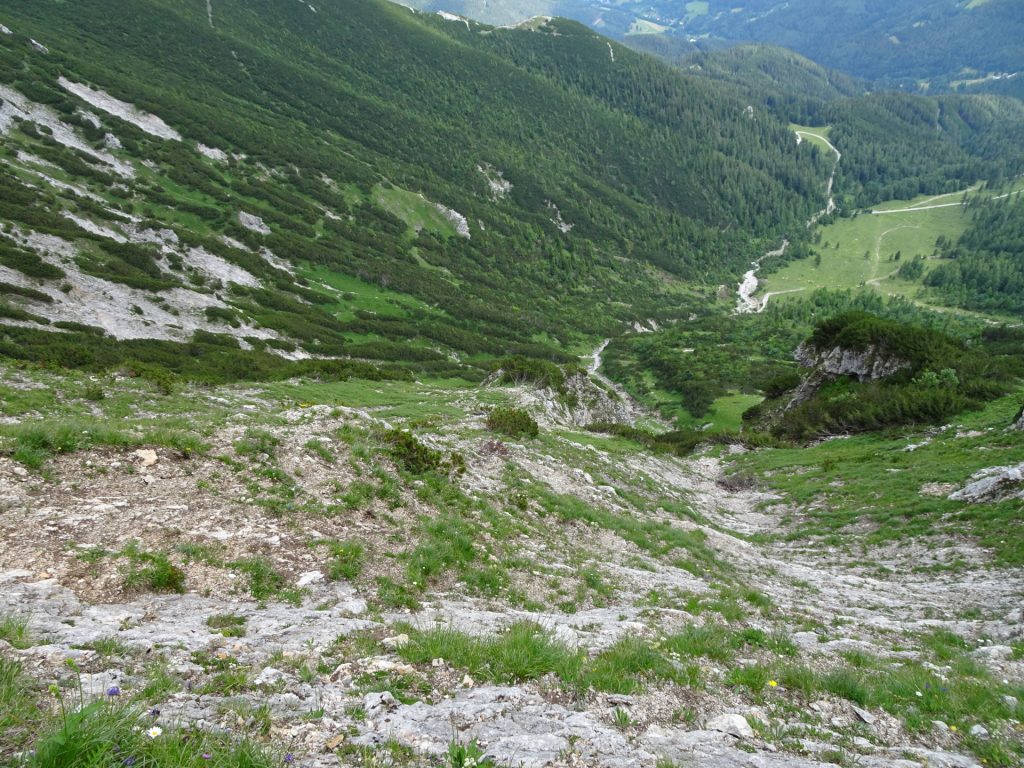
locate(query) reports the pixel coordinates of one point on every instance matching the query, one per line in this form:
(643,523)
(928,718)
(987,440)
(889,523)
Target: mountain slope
(486,175)
(904,43)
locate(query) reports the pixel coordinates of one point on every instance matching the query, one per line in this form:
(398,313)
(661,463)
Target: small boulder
(395,642)
(310,577)
(994,652)
(732,724)
(146,456)
(992,484)
(269,676)
(864,715)
(375,703)
(979,731)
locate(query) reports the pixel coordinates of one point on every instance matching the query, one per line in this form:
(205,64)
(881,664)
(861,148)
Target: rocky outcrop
(866,364)
(580,402)
(992,484)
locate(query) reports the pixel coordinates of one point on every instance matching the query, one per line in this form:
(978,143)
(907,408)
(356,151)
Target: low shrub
(513,422)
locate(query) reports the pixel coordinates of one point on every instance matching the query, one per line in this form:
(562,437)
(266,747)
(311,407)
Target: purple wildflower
(289,758)
(113,691)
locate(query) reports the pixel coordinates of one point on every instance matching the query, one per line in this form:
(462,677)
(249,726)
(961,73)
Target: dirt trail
(877,261)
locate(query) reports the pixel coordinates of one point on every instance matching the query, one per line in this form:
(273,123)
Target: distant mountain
(790,84)
(908,43)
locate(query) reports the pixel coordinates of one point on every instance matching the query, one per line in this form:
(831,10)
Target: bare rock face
(582,402)
(866,364)
(992,484)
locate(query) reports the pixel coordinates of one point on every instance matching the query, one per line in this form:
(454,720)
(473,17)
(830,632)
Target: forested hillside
(900,42)
(494,178)
(907,44)
(984,269)
(894,145)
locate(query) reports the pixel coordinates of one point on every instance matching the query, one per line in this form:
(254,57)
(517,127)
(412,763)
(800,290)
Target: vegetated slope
(704,373)
(242,580)
(484,173)
(894,146)
(870,373)
(900,43)
(791,85)
(905,43)
(984,268)
(899,146)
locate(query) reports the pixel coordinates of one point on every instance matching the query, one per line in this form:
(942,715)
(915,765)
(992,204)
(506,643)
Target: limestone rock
(733,724)
(994,652)
(376,703)
(866,364)
(269,676)
(395,642)
(146,456)
(992,484)
(864,715)
(310,577)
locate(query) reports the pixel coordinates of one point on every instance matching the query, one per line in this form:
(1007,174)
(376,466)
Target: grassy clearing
(815,135)
(264,582)
(354,294)
(687,549)
(414,209)
(837,484)
(725,414)
(227,624)
(427,402)
(20,715)
(859,252)
(105,733)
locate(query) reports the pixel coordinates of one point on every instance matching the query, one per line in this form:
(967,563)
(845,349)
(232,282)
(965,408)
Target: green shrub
(513,422)
(520,370)
(417,458)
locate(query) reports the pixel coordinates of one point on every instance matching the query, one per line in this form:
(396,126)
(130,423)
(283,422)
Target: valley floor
(259,562)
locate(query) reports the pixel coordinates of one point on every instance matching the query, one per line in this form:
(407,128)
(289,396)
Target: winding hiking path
(922,207)
(877,261)
(830,205)
(746,304)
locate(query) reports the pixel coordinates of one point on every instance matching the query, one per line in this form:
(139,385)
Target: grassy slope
(912,232)
(872,484)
